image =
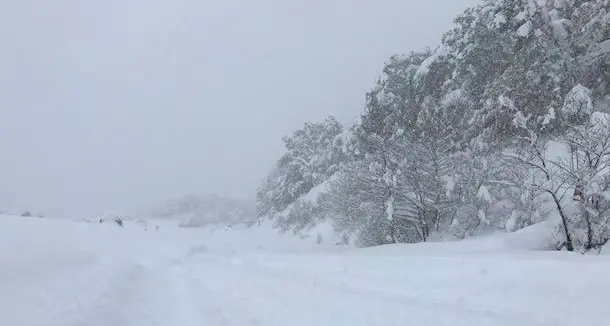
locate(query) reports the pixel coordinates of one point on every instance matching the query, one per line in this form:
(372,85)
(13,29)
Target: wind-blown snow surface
(63,273)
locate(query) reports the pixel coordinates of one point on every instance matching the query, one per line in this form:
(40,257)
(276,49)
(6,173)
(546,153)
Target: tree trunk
(392,231)
(587,216)
(564,221)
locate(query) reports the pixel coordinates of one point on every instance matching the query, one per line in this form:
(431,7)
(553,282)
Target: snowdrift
(59,272)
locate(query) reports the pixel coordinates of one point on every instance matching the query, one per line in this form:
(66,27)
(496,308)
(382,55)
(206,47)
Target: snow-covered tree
(314,153)
(573,169)
(464,137)
(477,193)
(588,170)
(346,201)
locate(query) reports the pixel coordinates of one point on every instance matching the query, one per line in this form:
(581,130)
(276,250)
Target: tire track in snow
(315,301)
(421,302)
(110,301)
(55,289)
(24,272)
(211,308)
(142,295)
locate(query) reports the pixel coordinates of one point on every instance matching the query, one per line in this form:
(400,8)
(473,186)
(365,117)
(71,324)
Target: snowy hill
(59,272)
(197,211)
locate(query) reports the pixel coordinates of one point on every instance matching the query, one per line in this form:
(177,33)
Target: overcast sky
(109,105)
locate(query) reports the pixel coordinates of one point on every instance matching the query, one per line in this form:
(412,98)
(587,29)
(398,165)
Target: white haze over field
(114,105)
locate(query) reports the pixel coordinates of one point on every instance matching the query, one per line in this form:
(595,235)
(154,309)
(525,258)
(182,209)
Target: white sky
(111,105)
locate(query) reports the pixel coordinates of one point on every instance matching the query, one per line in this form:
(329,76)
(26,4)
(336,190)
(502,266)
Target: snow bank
(605,250)
(264,237)
(536,237)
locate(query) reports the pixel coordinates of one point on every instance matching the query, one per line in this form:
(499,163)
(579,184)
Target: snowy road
(57,273)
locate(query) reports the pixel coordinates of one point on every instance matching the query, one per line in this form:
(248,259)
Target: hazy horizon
(116,105)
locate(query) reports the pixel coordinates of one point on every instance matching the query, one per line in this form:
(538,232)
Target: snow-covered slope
(65,273)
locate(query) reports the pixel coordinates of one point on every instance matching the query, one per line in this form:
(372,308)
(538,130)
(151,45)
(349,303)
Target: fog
(113,105)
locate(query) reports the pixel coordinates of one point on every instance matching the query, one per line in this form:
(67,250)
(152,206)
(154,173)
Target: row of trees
(200,211)
(504,125)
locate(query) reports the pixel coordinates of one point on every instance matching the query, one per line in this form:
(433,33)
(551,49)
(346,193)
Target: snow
(511,223)
(549,117)
(484,194)
(597,50)
(315,192)
(499,20)
(525,29)
(521,16)
(578,101)
(520,120)
(536,237)
(507,102)
(310,197)
(532,5)
(559,29)
(389,210)
(452,97)
(69,273)
(557,151)
(424,68)
(598,122)
(450,184)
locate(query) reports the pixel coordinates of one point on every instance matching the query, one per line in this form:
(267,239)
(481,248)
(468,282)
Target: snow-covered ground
(65,273)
